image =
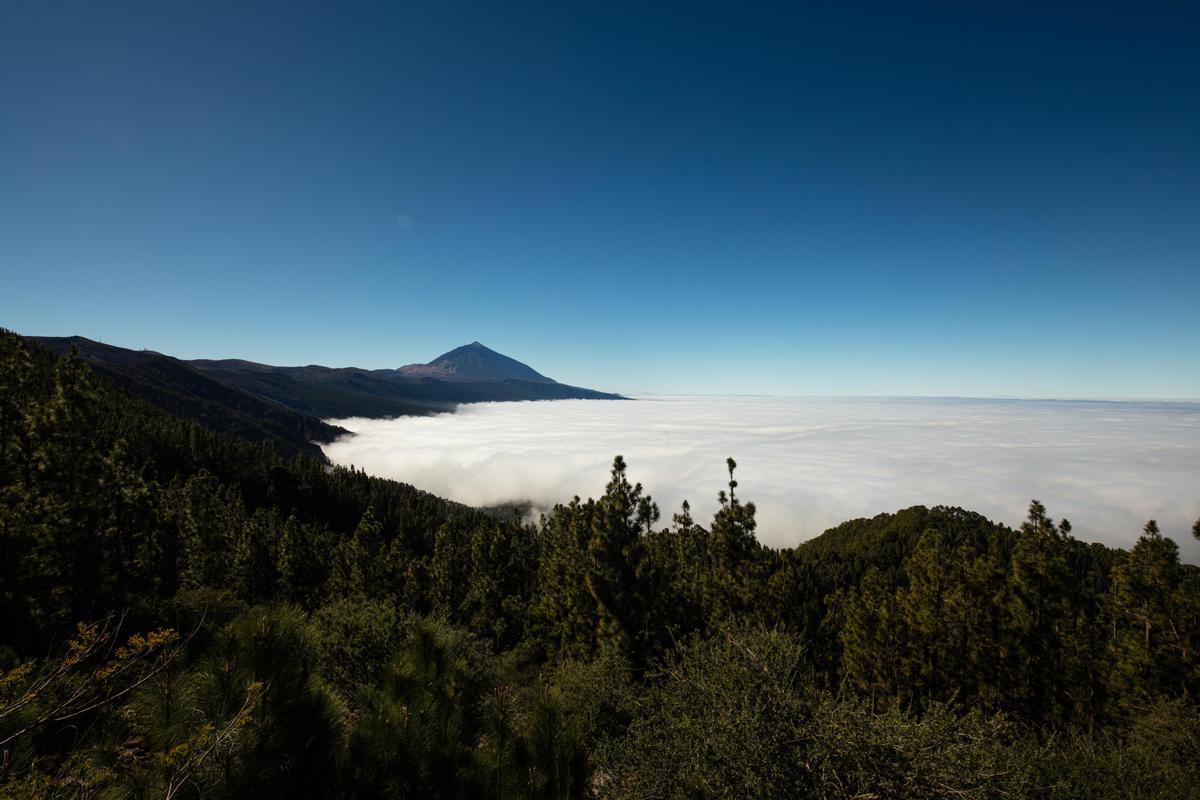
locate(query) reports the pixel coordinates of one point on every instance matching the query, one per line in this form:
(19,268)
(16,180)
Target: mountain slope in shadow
(287,405)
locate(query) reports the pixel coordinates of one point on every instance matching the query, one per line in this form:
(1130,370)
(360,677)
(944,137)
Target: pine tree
(500,578)
(256,557)
(294,737)
(564,610)
(1040,609)
(209,517)
(1154,635)
(420,723)
(674,575)
(924,604)
(552,756)
(732,551)
(303,561)
(71,551)
(874,639)
(615,554)
(355,567)
(982,598)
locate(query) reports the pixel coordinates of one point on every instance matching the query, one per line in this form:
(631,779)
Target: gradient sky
(893,198)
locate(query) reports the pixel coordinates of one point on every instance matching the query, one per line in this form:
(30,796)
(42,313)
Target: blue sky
(852,198)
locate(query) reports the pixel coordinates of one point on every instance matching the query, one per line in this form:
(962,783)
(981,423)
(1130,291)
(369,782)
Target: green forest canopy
(184,613)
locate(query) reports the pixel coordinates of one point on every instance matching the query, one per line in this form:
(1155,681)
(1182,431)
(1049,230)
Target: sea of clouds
(810,463)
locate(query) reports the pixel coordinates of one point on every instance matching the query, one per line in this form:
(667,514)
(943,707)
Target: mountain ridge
(472,373)
(180,388)
(474,362)
(257,401)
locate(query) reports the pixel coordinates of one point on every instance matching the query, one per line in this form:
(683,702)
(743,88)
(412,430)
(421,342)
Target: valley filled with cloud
(809,463)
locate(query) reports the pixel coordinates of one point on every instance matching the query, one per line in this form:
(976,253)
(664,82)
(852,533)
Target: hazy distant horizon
(350,363)
(635,395)
(810,463)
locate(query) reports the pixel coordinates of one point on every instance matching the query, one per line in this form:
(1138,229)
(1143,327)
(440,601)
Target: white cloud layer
(810,463)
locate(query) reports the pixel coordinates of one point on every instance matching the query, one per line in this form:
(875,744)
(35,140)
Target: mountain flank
(261,402)
(183,390)
(472,373)
(474,363)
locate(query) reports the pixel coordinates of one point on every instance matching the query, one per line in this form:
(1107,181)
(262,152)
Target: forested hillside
(286,405)
(188,614)
(185,391)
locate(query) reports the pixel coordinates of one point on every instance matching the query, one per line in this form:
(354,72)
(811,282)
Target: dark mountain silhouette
(262,402)
(328,391)
(468,374)
(181,389)
(474,363)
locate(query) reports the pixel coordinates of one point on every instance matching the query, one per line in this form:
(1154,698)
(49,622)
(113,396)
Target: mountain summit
(474,363)
(252,400)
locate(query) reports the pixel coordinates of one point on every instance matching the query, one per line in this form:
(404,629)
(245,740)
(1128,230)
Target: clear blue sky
(892,198)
